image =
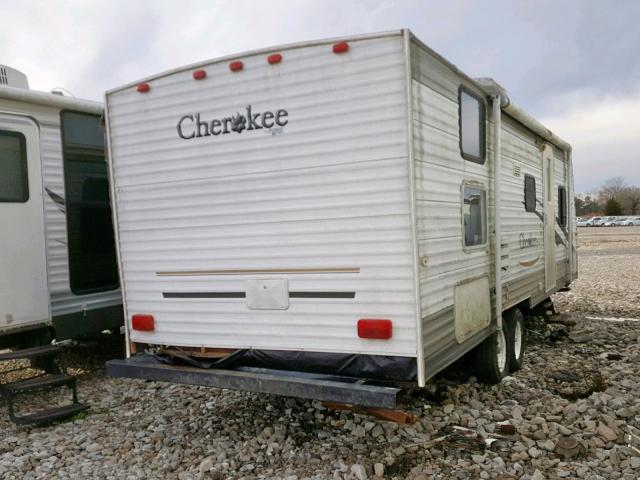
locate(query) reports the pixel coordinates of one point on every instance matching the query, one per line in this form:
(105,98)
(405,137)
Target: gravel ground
(571,405)
(608,283)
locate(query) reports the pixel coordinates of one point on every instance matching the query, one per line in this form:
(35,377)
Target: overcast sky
(574,65)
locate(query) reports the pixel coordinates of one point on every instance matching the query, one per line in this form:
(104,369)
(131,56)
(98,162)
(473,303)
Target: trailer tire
(492,359)
(516,338)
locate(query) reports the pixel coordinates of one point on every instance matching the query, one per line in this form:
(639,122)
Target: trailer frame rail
(328,388)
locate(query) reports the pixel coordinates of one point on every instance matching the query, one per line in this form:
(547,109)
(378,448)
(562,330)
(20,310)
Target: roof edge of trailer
(50,100)
(270,49)
(508,107)
(491,87)
(527,120)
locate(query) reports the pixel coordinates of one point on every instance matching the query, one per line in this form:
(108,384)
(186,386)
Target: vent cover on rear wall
(3,76)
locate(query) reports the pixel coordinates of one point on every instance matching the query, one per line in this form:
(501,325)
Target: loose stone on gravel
(607,432)
(359,472)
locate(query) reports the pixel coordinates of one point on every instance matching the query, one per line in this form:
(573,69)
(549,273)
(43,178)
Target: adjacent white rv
(58,269)
(355,207)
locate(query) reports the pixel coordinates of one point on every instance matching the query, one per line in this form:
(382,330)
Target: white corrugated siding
(440,171)
(561,178)
(520,148)
(522,231)
(63,301)
(329,190)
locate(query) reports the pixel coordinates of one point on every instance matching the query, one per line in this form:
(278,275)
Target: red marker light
(143,87)
(375,329)
(199,75)
(143,322)
(235,66)
(340,47)
(274,58)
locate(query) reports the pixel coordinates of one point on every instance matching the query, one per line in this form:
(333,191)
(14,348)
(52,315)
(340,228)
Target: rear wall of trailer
(322,202)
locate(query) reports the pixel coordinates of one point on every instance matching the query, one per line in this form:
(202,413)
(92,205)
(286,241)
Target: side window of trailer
(471,123)
(14,182)
(91,244)
(562,206)
(474,215)
(529,193)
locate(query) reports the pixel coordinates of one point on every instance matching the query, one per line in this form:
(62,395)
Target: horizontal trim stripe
(322,294)
(203,294)
(258,271)
(243,295)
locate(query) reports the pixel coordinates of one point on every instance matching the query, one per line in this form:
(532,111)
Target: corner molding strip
(258,271)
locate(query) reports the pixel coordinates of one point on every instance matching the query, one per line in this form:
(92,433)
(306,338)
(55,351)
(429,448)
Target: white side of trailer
(320,207)
(44,111)
(532,266)
(524,265)
(451,275)
(23,275)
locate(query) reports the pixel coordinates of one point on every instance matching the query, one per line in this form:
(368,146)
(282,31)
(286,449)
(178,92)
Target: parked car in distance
(630,222)
(596,222)
(583,222)
(612,221)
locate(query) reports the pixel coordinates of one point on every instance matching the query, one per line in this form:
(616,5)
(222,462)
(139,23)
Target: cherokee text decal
(192,126)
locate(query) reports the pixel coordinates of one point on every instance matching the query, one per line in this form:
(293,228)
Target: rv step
(38,383)
(50,414)
(294,384)
(11,391)
(30,353)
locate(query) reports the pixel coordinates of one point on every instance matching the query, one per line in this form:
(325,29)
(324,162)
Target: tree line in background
(614,198)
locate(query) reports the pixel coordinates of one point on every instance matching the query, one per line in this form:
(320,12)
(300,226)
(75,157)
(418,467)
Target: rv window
(471,125)
(92,258)
(14,182)
(82,130)
(474,216)
(529,193)
(562,206)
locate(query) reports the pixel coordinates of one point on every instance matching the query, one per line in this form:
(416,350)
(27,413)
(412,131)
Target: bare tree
(612,187)
(629,198)
(614,194)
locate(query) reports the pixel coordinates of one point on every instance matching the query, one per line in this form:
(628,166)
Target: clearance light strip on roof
(237,65)
(259,271)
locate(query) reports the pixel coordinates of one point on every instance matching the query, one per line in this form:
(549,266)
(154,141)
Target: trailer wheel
(492,358)
(516,338)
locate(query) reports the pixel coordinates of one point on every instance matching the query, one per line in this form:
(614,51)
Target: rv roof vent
(12,77)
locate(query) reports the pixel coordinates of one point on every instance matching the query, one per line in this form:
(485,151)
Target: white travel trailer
(58,269)
(321,218)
